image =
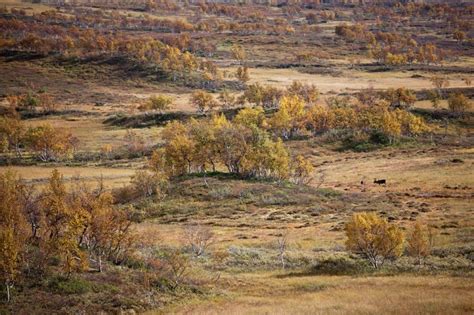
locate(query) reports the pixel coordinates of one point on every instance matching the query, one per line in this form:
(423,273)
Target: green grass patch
(73,285)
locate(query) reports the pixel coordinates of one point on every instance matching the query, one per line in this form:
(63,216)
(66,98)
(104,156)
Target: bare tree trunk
(213,166)
(100,262)
(282,259)
(8,291)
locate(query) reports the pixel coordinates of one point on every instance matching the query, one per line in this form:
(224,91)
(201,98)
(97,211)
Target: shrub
(148,184)
(459,103)
(249,257)
(379,137)
(220,193)
(203,100)
(157,102)
(178,266)
(134,144)
(50,143)
(242,74)
(198,238)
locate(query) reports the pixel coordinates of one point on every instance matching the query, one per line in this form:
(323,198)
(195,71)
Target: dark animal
(380,181)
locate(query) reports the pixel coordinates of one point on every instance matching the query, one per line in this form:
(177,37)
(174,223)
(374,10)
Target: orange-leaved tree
(64,219)
(50,143)
(419,242)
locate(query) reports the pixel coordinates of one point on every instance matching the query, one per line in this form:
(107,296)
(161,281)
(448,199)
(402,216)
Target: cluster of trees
(32,101)
(42,38)
(242,146)
(112,20)
(233,11)
(370,112)
(438,15)
(270,96)
(134,5)
(45,141)
(397,55)
(250,144)
(457,102)
(67,230)
(363,120)
(378,240)
(266,96)
(391,48)
(297,113)
(277,27)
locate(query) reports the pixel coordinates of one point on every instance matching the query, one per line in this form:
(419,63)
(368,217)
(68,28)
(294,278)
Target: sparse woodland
(236,157)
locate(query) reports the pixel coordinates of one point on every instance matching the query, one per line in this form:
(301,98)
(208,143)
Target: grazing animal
(380,181)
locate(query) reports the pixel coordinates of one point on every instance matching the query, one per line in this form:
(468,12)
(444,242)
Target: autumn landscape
(236,157)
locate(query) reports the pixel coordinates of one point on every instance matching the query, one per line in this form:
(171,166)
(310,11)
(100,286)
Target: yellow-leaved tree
(179,149)
(374,238)
(411,124)
(13,230)
(203,135)
(391,126)
(290,116)
(320,119)
(251,117)
(266,158)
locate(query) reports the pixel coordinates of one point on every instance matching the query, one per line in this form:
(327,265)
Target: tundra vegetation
(236,157)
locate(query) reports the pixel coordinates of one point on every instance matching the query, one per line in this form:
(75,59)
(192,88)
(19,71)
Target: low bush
(63,285)
(339,265)
(357,143)
(220,192)
(434,264)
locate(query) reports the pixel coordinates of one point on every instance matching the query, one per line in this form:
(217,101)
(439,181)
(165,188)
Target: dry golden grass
(350,81)
(93,134)
(304,239)
(112,177)
(405,169)
(265,293)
